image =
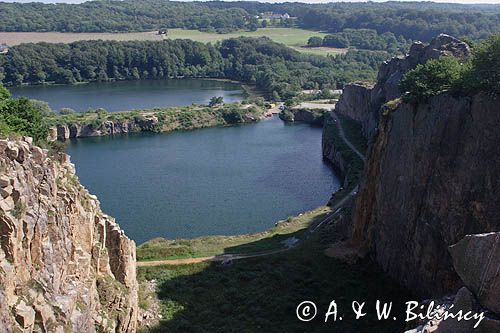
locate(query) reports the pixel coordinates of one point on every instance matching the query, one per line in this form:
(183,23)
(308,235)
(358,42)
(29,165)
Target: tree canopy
(21,117)
(412,20)
(273,67)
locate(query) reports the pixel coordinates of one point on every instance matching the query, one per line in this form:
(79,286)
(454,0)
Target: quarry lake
(215,181)
(128,95)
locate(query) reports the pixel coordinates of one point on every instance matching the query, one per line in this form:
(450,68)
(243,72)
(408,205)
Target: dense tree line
(367,39)
(412,20)
(128,15)
(273,67)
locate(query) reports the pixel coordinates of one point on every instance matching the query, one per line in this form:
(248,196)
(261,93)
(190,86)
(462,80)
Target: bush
(19,116)
(483,74)
(315,42)
(431,79)
(66,111)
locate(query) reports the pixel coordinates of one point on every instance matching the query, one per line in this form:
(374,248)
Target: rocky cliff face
(64,265)
(108,127)
(362,101)
(431,179)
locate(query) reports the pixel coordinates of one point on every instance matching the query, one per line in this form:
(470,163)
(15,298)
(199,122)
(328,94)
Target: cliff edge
(64,265)
(431,179)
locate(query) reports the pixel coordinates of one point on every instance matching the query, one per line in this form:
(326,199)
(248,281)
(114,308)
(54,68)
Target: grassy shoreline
(164,249)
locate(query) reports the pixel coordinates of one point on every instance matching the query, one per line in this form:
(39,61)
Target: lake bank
(206,182)
(116,96)
(101,123)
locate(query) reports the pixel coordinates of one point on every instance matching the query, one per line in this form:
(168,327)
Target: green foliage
(243,297)
(272,67)
(315,41)
(481,73)
(367,39)
(336,40)
(430,79)
(66,111)
(43,107)
(216,100)
(128,15)
(19,116)
(414,20)
(232,115)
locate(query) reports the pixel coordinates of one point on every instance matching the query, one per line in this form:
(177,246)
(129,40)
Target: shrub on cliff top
(430,79)
(480,74)
(19,116)
(483,75)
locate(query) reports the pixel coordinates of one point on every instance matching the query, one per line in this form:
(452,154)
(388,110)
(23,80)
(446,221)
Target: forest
(272,67)
(412,20)
(128,15)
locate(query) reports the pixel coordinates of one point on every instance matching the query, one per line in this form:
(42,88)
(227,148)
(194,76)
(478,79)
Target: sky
(306,1)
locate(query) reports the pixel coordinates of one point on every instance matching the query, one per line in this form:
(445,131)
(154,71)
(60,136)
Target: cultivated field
(16,38)
(292,37)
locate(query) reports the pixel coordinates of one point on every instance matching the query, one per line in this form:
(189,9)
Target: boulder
(25,315)
(476,259)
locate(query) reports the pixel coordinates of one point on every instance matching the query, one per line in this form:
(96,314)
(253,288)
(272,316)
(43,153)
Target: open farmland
(16,38)
(292,37)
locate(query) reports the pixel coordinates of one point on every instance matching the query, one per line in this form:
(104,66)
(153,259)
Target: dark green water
(216,181)
(128,95)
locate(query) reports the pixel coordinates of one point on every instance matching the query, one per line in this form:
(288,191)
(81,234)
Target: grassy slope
(261,294)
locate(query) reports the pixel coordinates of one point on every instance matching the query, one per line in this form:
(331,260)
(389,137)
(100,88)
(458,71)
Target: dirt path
(218,258)
(312,228)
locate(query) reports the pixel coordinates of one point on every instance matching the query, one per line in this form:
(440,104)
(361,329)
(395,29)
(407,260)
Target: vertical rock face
(433,177)
(64,265)
(476,259)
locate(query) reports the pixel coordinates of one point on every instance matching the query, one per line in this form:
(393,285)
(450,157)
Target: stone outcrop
(303,115)
(108,127)
(476,259)
(433,177)
(64,265)
(465,302)
(153,121)
(356,103)
(362,101)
